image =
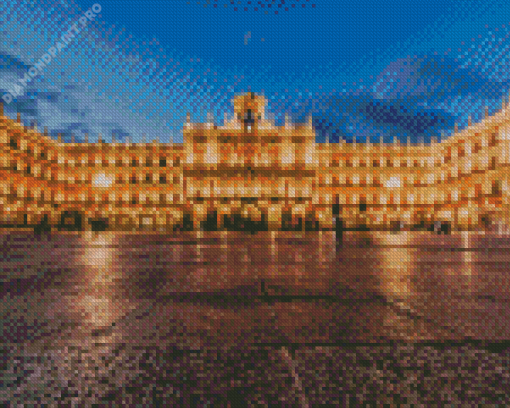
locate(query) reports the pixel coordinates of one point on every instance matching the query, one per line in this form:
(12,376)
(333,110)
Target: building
(251,174)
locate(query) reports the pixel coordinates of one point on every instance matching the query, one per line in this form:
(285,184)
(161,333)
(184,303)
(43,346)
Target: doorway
(99,224)
(71,221)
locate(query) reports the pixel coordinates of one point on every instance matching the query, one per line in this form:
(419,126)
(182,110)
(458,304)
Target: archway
(98,224)
(71,221)
(43,225)
(211,222)
(147,222)
(311,221)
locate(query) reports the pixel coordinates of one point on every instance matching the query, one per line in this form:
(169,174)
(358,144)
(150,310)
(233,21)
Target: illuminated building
(249,169)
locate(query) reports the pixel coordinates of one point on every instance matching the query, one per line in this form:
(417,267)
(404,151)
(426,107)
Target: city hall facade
(250,174)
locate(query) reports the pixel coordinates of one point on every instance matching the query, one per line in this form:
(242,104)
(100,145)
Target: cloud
(9,63)
(437,78)
(359,116)
(76,129)
(404,117)
(24,104)
(120,134)
(411,97)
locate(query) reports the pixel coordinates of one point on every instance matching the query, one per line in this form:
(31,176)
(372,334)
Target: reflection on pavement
(103,293)
(272,287)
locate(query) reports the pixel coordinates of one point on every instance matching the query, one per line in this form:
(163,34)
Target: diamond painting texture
(254,203)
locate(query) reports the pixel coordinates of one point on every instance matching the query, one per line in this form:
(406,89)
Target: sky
(363,70)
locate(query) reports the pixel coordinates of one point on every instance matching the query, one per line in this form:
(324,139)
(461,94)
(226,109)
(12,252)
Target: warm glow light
(468,260)
(393,182)
(396,276)
(99,252)
(98,300)
(102,180)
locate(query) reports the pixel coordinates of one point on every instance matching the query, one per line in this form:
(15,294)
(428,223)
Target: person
(339,230)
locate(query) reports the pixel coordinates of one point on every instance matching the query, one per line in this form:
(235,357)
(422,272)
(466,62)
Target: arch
(43,225)
(147,221)
(311,221)
(211,222)
(71,220)
(98,223)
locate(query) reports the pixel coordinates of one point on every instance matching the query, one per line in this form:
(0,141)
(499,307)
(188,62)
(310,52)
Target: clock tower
(249,111)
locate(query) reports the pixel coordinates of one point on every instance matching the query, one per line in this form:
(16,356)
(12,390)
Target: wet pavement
(280,319)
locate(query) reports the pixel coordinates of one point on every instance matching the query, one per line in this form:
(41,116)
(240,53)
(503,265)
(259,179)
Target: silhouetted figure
(339,231)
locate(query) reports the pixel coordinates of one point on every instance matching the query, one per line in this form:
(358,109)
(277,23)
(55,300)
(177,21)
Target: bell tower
(249,110)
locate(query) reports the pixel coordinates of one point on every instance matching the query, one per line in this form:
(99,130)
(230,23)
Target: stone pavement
(235,320)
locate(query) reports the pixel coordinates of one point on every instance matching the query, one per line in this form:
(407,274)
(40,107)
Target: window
(162,179)
(147,178)
(133,162)
(13,143)
(496,187)
(133,179)
(393,182)
(162,162)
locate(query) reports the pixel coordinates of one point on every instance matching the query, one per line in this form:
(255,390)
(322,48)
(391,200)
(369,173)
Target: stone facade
(249,173)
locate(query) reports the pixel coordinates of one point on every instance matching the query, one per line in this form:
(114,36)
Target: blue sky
(365,69)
